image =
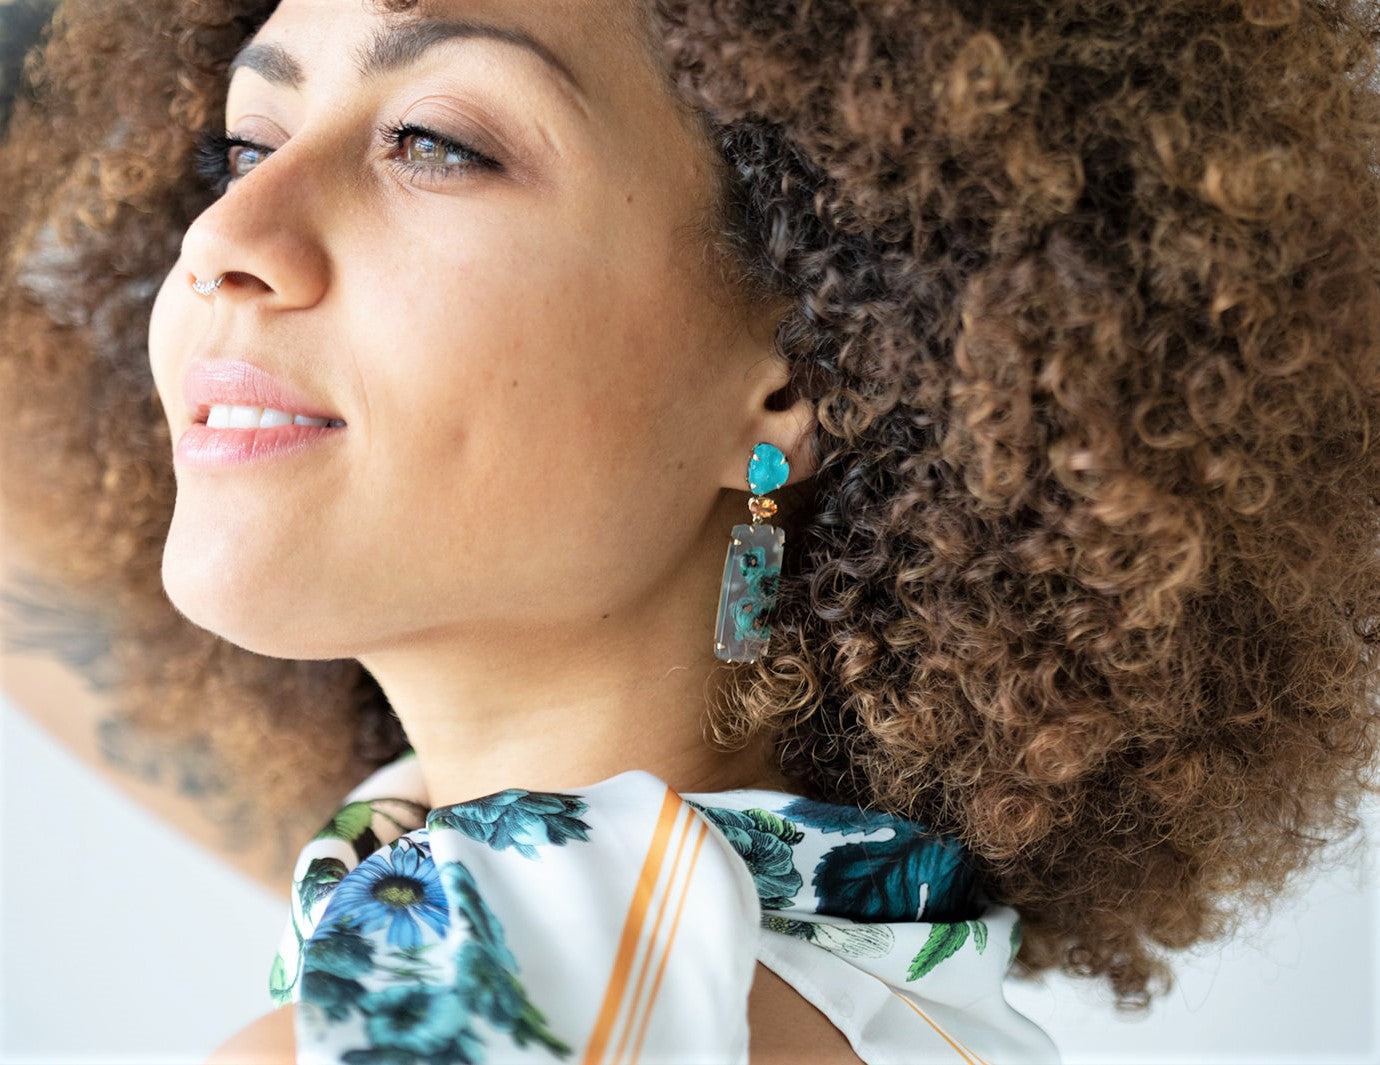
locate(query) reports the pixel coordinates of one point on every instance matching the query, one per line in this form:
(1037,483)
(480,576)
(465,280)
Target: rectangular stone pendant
(751,570)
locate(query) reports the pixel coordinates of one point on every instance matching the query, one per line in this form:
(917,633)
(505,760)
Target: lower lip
(203,448)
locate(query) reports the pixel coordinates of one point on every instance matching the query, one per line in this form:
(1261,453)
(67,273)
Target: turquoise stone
(748,594)
(767,469)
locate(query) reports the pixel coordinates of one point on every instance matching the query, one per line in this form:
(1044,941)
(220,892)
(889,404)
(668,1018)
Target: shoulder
(785,1029)
(266,1041)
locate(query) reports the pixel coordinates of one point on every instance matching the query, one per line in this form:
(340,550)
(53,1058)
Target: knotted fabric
(623,922)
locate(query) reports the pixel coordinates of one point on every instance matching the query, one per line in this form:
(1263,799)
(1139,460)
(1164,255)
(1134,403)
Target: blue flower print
(339,950)
(486,975)
(397,888)
(764,841)
(333,995)
(429,1022)
(523,820)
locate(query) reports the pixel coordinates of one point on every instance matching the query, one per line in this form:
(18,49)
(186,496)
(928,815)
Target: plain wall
(122,941)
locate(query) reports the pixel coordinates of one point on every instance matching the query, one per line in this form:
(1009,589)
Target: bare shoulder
(788,1030)
(266,1041)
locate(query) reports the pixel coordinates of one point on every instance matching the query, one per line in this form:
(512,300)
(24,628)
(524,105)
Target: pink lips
(243,384)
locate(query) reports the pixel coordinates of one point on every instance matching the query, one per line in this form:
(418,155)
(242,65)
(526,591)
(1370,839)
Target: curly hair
(1087,296)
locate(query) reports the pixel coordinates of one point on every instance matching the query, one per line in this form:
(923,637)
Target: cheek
(532,356)
(527,339)
(561,413)
(169,328)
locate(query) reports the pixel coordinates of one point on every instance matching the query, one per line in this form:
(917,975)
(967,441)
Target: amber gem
(762,507)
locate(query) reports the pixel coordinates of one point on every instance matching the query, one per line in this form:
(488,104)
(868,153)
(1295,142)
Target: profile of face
(469,235)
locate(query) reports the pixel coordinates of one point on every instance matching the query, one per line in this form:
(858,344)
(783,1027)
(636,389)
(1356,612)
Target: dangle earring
(753,565)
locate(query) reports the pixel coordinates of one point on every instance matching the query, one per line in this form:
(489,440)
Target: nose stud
(205,288)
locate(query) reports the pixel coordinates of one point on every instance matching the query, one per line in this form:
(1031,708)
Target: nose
(265,235)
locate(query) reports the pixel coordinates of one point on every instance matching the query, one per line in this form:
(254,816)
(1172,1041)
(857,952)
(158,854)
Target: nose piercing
(205,288)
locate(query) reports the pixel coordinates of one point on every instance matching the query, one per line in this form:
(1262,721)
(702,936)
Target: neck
(567,707)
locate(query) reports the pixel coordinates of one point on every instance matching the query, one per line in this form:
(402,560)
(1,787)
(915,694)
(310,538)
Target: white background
(123,942)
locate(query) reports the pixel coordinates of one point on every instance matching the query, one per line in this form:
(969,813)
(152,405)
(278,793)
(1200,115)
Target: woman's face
(541,386)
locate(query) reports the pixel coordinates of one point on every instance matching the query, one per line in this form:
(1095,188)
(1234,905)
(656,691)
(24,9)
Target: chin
(225,596)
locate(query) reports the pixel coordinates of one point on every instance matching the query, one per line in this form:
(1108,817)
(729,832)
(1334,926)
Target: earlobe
(776,411)
(791,430)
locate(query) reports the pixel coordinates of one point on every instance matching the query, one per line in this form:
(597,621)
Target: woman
(1051,332)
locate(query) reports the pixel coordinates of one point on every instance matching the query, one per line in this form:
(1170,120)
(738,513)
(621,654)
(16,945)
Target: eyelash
(213,160)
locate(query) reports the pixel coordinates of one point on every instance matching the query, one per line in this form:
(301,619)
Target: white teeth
(274,417)
(224,416)
(245,417)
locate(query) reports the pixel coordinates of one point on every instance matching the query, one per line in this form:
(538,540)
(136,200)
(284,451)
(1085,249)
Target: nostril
(231,279)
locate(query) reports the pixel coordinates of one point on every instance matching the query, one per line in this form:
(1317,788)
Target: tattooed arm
(57,667)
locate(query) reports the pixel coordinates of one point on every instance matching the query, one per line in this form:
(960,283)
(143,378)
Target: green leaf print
(351,824)
(279,986)
(944,941)
(979,935)
(777,825)
(788,926)
(319,881)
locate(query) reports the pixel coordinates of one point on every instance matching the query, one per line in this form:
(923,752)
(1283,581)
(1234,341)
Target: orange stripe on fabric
(963,1052)
(632,928)
(670,938)
(645,965)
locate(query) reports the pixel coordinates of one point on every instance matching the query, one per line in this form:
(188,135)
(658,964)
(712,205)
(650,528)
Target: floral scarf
(623,922)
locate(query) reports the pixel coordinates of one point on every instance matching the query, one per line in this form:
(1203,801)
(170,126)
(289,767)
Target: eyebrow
(397,47)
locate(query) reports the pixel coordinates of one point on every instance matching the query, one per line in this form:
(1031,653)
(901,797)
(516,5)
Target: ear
(773,414)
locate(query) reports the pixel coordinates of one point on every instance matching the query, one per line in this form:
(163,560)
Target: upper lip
(234,382)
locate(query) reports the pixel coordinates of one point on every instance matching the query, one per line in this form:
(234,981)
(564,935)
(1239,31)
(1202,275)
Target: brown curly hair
(1088,297)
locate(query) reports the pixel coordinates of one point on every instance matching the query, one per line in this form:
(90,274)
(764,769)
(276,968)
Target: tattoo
(120,747)
(39,616)
(189,766)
